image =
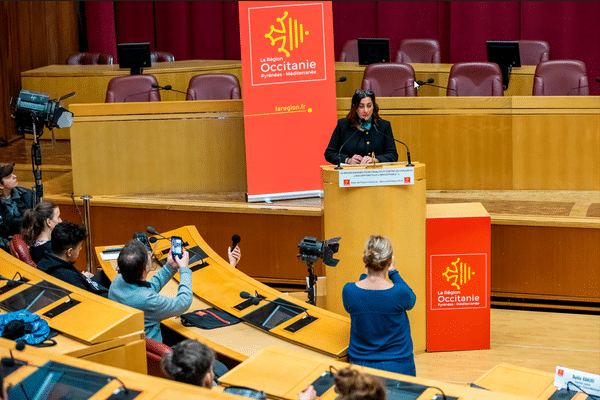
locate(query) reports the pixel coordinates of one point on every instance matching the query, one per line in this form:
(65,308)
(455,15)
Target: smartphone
(176,246)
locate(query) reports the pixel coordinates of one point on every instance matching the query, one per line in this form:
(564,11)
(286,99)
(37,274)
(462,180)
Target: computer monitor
(371,51)
(135,56)
(506,55)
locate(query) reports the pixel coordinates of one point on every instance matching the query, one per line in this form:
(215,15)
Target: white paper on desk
(113,255)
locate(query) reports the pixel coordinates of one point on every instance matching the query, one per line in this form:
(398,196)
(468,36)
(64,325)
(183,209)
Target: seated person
(131,288)
(15,200)
(363,136)
(66,243)
(351,385)
(193,362)
(38,224)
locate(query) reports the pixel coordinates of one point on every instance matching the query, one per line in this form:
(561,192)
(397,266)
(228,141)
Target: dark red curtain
(210,29)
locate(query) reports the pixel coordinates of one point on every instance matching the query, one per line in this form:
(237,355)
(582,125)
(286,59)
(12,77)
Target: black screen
(371,51)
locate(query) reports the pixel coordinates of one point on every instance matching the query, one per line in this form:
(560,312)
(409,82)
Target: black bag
(209,318)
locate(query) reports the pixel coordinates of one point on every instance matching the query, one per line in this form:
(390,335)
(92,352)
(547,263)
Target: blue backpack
(27,327)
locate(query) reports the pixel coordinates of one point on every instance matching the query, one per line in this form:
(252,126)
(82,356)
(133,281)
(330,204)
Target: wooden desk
(96,329)
(219,284)
(498,143)
(149,386)
(283,374)
(515,380)
(160,147)
(521,79)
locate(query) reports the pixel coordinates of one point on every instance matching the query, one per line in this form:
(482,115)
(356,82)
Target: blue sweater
(380,330)
(144,296)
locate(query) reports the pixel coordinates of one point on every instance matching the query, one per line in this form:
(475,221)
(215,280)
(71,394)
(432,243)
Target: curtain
(210,29)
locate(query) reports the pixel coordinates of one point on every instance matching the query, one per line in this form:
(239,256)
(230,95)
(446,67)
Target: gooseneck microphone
(256,300)
(414,84)
(235,239)
(410,164)
(167,87)
(136,94)
(342,146)
(431,80)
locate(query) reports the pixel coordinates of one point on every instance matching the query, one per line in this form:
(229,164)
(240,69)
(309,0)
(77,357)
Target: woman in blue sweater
(380,330)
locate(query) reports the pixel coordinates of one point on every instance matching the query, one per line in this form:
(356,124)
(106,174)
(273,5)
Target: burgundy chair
(350,51)
(154,352)
(533,51)
(475,79)
(390,80)
(419,51)
(20,250)
(214,87)
(90,59)
(161,56)
(129,88)
(560,78)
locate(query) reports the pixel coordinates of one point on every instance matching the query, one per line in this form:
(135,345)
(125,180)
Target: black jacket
(67,272)
(11,224)
(379,139)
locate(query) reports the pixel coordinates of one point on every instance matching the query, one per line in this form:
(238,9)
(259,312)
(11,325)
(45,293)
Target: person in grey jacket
(131,288)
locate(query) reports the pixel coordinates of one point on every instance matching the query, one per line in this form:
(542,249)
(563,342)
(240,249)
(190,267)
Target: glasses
(361,92)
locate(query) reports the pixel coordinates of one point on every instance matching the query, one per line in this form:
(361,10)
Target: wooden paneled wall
(34,34)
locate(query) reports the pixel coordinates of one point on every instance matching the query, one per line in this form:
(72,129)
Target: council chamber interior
(520,152)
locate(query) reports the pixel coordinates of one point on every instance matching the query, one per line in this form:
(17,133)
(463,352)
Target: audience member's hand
(87,274)
(176,262)
(234,256)
(308,394)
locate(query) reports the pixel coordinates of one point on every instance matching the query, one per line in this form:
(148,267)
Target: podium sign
(458,277)
(288,78)
(377,177)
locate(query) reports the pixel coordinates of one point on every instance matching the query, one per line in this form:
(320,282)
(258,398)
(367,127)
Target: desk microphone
(136,94)
(342,79)
(167,87)
(414,84)
(342,146)
(431,80)
(257,299)
(410,164)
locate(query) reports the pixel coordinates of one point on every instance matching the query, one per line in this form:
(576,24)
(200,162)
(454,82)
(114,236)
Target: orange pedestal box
(458,277)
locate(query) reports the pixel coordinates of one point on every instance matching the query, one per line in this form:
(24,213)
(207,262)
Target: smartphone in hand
(176,246)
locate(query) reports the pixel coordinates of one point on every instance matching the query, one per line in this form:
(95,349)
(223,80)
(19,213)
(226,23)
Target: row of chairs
(143,88)
(552,78)
(154,350)
(106,59)
(428,51)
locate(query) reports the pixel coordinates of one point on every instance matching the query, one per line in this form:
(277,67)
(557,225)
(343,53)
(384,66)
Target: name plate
(566,378)
(377,177)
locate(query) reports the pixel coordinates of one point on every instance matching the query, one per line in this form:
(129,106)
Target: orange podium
(458,277)
(396,211)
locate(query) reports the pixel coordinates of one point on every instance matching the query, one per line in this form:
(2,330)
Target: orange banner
(458,283)
(288,85)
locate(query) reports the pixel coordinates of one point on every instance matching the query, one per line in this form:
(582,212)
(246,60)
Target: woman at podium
(380,330)
(362,137)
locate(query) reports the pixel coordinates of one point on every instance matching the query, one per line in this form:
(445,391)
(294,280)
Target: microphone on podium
(167,87)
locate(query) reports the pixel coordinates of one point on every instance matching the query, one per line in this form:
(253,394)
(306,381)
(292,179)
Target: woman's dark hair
(34,221)
(189,362)
(352,116)
(353,385)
